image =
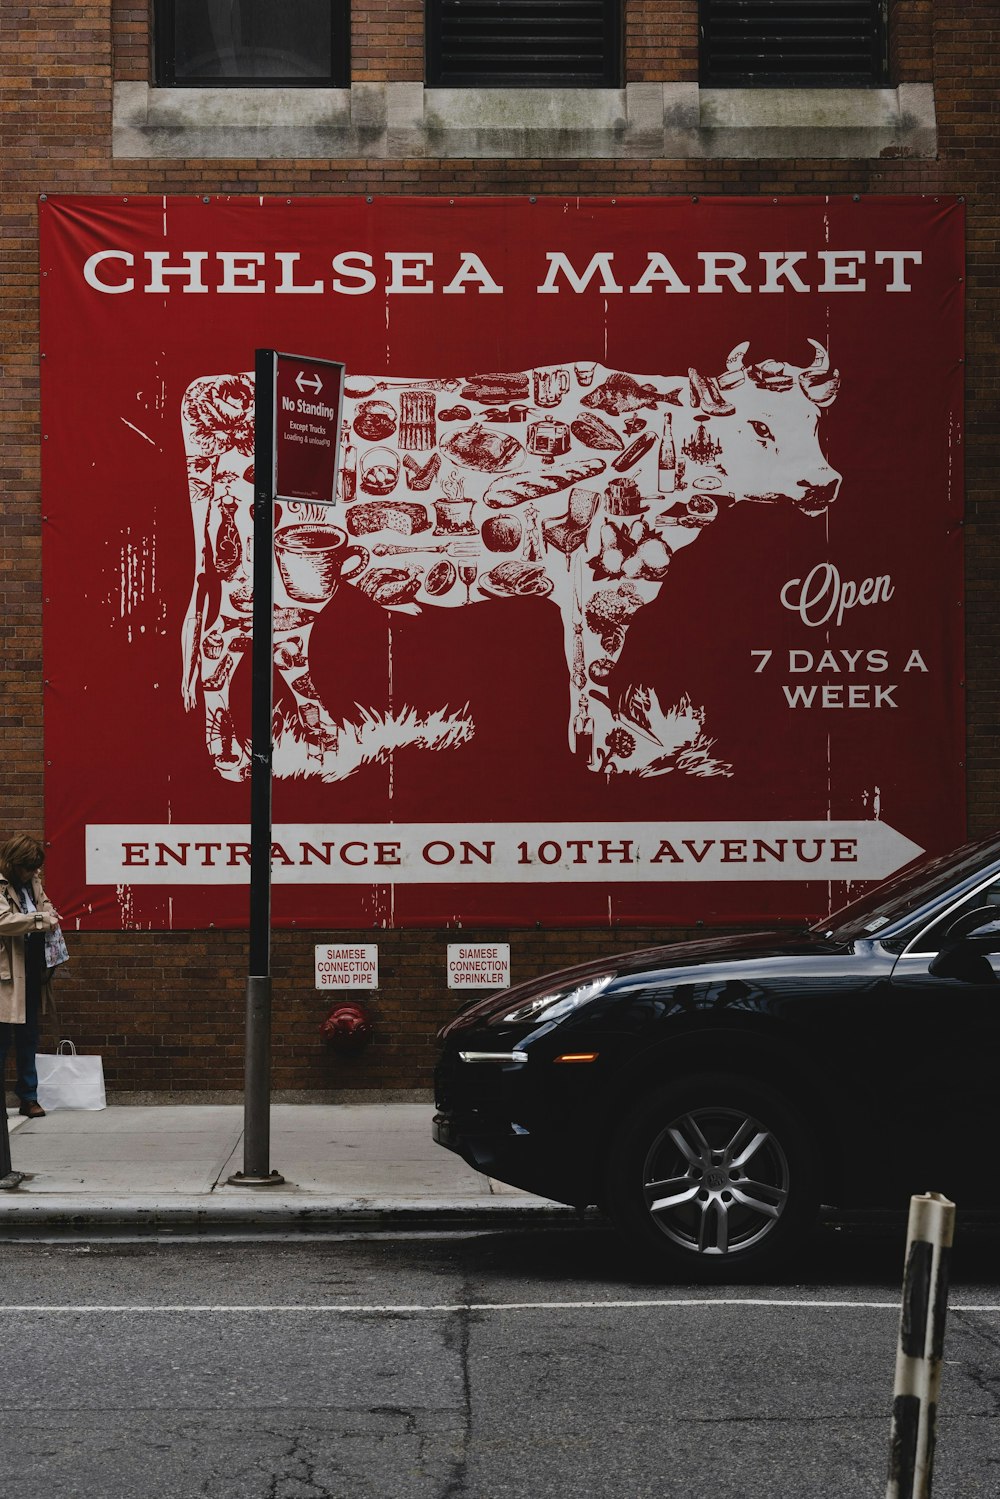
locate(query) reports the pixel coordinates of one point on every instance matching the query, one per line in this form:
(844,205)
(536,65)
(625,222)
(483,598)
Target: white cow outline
(750,435)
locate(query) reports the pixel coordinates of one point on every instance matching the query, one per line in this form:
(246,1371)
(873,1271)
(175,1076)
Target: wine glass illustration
(468,570)
(468,573)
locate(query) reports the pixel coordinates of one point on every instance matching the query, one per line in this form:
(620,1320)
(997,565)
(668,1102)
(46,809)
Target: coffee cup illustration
(313,559)
(550,386)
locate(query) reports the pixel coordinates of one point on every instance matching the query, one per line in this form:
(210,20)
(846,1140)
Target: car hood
(670,957)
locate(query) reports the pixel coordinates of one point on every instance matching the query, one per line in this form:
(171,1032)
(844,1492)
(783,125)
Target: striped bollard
(921,1344)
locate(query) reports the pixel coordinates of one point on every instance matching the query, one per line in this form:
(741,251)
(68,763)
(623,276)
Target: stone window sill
(643,121)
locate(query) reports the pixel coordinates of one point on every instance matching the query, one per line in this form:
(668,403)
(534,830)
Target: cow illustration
(575,483)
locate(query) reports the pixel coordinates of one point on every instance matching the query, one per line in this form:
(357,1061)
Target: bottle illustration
(583,732)
(667,467)
(348,466)
(228,551)
(534,542)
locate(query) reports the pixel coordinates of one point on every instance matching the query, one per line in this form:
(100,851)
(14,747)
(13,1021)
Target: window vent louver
(523,43)
(797,43)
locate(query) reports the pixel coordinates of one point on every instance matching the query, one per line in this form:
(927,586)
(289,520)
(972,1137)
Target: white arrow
(608,853)
(313,382)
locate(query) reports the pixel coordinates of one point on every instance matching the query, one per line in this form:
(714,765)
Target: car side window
(960,919)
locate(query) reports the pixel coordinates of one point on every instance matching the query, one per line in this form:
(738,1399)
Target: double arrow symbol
(312,382)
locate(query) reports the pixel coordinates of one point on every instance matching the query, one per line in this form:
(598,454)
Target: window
(252,42)
(524,43)
(974,910)
(793,43)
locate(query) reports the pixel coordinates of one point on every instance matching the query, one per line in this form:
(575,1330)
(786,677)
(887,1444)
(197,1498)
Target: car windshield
(907,891)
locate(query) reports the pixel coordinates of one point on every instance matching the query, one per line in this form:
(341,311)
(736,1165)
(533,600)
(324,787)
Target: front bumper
(529,1124)
(510,1153)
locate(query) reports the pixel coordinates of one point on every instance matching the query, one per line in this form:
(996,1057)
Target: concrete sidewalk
(166,1165)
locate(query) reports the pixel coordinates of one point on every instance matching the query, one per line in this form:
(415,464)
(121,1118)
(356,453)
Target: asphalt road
(540,1363)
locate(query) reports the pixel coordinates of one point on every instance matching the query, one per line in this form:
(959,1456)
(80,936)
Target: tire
(714,1175)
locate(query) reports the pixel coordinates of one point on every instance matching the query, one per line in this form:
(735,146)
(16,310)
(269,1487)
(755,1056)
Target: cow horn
(821,360)
(817,382)
(822,392)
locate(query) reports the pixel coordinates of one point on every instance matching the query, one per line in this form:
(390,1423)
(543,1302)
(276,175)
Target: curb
(18,1213)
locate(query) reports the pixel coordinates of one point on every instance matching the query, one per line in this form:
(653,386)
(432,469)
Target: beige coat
(13,925)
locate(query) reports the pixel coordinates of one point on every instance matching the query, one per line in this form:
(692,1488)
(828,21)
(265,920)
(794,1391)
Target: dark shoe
(32,1109)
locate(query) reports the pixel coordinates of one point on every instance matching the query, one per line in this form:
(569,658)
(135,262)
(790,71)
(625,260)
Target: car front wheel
(714,1174)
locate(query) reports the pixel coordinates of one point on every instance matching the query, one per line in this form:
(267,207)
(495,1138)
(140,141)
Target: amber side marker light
(578,1056)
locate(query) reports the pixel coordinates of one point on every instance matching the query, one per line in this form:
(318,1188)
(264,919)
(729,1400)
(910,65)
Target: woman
(26,914)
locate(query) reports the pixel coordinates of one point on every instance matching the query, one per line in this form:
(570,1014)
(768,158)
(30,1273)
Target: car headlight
(555,1003)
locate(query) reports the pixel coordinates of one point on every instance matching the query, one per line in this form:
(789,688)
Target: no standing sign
(309,396)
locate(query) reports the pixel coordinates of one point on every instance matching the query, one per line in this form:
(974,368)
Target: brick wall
(387,41)
(131,31)
(166,1009)
(910,40)
(661,41)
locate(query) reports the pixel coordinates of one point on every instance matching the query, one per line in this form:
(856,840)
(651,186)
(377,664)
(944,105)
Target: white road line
(416,1308)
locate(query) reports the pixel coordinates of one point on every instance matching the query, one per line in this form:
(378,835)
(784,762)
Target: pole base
(243,1179)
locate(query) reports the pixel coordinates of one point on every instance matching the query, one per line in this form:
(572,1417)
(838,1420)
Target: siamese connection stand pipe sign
(921,1346)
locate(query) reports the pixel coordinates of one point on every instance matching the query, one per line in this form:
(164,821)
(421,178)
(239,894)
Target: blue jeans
(25,1039)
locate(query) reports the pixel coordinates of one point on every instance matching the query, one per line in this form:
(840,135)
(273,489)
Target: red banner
(640,599)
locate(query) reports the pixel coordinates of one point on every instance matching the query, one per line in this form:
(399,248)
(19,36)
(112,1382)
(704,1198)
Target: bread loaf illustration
(515,489)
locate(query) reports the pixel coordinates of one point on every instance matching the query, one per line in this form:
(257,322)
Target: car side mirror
(982,922)
(985,938)
(965,954)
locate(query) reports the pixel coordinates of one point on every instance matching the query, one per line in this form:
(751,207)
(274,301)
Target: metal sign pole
(295,461)
(257,1086)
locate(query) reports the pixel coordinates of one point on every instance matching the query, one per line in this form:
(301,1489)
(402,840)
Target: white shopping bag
(68,1081)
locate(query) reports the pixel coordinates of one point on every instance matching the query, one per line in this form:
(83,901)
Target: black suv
(711,1095)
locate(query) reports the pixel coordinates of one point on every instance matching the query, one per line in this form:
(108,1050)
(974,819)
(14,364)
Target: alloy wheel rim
(716,1181)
